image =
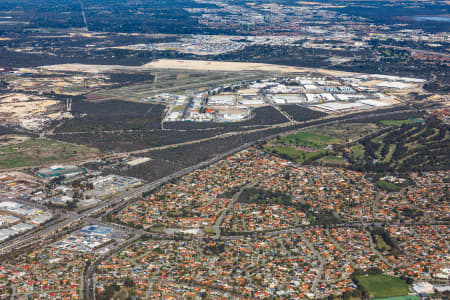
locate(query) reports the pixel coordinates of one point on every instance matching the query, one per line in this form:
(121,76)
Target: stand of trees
(258,196)
(417,147)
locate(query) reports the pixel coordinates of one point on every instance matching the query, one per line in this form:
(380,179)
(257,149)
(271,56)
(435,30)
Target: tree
(129,282)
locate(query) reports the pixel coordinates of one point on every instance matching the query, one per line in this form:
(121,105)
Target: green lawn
(290,152)
(382,286)
(381,244)
(314,155)
(293,154)
(334,157)
(399,122)
(385,185)
(358,151)
(379,139)
(389,154)
(334,160)
(400,298)
(208,230)
(310,140)
(344,132)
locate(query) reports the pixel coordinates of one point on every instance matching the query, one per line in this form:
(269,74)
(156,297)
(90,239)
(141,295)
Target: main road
(123,199)
(65,219)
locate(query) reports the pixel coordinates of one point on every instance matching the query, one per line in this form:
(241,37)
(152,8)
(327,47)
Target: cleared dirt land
(16,108)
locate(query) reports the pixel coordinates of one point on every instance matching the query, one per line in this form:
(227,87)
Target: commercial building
(58,171)
(5,234)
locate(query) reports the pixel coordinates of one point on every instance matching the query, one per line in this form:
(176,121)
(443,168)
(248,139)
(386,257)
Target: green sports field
(400,298)
(382,286)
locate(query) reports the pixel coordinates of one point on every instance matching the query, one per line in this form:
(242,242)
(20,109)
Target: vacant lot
(37,151)
(380,286)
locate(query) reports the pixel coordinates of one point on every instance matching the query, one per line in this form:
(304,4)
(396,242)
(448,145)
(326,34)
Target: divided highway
(93,214)
(129,196)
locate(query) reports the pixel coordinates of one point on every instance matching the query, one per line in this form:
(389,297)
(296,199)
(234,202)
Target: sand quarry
(14,108)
